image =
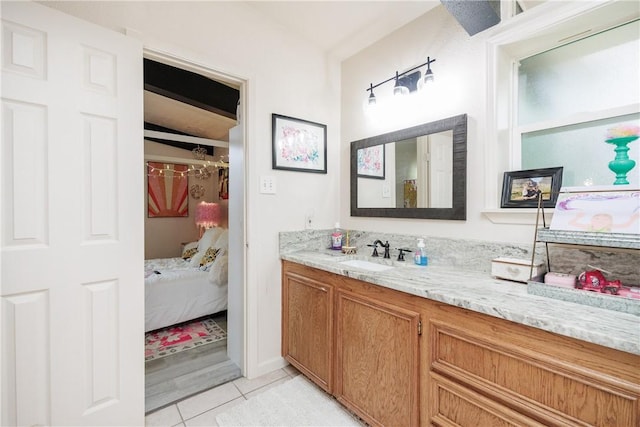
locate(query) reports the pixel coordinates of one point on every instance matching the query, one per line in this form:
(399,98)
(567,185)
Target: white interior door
(441,170)
(237,249)
(72,222)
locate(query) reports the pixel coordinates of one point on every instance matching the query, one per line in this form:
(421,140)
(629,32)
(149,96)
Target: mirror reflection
(412,173)
(418,172)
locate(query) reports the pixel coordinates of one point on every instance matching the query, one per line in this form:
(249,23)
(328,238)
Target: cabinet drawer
(551,391)
(454,405)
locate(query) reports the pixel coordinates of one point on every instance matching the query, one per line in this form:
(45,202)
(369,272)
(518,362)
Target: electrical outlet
(308,219)
(267,184)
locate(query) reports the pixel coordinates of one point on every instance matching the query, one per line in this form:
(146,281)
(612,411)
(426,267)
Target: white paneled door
(72,185)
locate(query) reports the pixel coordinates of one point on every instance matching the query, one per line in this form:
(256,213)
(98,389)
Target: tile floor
(201,409)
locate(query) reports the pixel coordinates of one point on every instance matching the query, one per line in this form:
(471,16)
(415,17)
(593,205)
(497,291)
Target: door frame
(236,345)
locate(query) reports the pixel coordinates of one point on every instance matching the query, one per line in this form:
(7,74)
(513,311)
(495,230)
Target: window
(555,78)
(569,96)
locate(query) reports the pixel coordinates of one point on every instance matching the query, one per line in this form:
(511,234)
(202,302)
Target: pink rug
(175,339)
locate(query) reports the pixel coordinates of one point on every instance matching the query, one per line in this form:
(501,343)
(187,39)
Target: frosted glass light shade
(400,90)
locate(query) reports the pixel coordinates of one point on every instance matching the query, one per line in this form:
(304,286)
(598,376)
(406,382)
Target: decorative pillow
(209,256)
(208,238)
(190,249)
(219,270)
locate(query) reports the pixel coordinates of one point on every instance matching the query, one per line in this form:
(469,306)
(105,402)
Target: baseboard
(266,367)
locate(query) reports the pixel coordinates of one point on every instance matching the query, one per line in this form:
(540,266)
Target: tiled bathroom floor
(201,409)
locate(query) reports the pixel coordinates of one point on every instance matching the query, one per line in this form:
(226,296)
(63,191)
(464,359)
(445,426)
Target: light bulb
(399,89)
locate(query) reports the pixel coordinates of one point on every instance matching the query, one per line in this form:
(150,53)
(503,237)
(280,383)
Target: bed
(184,288)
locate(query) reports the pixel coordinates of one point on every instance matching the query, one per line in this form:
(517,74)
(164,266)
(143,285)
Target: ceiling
(343,28)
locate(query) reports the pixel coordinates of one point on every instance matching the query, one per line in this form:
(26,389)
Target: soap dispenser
(420,256)
(336,238)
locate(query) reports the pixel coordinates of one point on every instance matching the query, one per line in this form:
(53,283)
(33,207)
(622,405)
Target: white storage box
(516,269)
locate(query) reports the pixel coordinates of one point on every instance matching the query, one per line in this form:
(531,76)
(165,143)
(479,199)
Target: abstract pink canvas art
(168,190)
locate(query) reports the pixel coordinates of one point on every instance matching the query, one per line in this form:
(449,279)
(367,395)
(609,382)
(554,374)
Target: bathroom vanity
(408,345)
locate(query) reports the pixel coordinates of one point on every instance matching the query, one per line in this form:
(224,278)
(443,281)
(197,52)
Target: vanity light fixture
(407,82)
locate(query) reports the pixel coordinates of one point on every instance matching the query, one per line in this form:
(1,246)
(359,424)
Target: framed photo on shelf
(371,162)
(298,145)
(521,189)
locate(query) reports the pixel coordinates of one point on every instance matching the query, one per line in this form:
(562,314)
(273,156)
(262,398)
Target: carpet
(174,339)
(297,402)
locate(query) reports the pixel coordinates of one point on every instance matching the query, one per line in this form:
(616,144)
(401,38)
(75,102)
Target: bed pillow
(209,238)
(219,270)
(209,257)
(195,260)
(190,249)
(222,242)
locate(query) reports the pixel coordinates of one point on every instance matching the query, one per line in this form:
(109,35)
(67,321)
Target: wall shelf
(608,240)
(582,238)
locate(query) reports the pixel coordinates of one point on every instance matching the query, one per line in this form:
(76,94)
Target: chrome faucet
(385,246)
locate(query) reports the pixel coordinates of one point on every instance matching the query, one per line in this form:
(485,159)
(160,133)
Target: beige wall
(460,87)
(163,236)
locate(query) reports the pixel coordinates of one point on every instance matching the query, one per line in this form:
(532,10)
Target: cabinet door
(377,360)
(307,327)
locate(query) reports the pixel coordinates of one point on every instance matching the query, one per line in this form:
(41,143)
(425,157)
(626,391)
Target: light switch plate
(386,190)
(267,184)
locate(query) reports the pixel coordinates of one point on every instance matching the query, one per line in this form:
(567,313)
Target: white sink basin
(366,265)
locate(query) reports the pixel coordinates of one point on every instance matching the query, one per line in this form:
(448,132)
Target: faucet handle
(401,253)
(375,249)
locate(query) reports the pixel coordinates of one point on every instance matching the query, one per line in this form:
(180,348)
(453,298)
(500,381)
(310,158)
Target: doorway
(176,376)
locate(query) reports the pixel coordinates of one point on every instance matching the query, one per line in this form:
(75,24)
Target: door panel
(307,335)
(72,221)
(377,360)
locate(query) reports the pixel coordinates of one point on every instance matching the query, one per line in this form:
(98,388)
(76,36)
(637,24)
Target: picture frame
(520,189)
(370,162)
(613,209)
(223,183)
(298,145)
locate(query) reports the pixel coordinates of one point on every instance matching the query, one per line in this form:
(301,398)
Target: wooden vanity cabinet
(358,341)
(518,375)
(361,342)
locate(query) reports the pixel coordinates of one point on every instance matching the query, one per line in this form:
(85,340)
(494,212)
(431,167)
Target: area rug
(297,402)
(175,339)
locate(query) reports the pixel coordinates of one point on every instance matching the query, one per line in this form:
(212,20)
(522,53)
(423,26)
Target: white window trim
(548,25)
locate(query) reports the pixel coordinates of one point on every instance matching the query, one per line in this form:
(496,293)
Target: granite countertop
(484,294)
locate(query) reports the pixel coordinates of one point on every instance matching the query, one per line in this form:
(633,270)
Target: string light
(192,170)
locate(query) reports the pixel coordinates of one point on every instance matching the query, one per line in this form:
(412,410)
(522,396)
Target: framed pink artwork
(168,190)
